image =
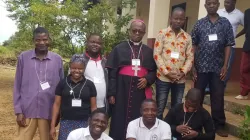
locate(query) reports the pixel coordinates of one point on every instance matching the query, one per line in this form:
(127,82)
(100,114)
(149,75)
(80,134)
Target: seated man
(98,123)
(148,127)
(188,119)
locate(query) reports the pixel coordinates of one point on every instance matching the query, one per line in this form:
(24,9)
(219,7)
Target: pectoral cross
(136,69)
(71,91)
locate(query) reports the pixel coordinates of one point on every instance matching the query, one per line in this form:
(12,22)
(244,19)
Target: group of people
(119,87)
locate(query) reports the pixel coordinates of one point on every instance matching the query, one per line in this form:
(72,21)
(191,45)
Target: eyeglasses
(135,31)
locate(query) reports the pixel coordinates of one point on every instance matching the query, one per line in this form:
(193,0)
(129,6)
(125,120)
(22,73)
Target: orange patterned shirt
(173,53)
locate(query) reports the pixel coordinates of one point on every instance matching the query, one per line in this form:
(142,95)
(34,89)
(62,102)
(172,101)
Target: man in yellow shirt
(173,54)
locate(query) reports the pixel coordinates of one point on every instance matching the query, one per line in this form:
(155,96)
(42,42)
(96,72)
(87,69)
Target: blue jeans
(162,91)
(229,70)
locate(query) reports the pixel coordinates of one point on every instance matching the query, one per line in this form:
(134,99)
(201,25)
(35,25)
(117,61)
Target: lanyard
(186,123)
(71,88)
(138,57)
(45,73)
(74,87)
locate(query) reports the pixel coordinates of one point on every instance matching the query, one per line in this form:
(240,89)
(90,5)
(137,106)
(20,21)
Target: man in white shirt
(98,123)
(95,68)
(236,18)
(148,127)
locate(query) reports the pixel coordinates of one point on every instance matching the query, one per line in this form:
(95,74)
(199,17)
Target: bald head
(137,30)
(194,95)
(137,23)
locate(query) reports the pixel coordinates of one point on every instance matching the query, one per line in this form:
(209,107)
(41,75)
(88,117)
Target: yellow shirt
(173,53)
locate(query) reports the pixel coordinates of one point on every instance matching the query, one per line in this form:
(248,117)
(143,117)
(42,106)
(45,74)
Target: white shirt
(84,134)
(236,18)
(95,73)
(137,130)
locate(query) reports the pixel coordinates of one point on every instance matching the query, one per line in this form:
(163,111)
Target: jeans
(229,69)
(216,86)
(162,91)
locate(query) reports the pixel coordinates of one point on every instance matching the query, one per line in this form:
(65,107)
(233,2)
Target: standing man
(245,60)
(213,38)
(173,54)
(132,71)
(95,68)
(37,75)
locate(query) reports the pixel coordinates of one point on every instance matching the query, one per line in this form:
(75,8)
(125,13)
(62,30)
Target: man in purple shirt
(37,75)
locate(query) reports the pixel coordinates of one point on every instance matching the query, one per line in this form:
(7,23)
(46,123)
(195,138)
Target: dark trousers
(162,91)
(216,95)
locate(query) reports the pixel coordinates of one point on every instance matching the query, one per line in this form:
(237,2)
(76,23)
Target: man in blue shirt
(212,39)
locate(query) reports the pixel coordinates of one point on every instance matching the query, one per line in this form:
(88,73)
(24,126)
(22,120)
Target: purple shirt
(29,98)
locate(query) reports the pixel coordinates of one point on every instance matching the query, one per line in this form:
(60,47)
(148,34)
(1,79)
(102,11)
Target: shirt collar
(141,124)
(94,59)
(70,81)
(234,11)
(86,133)
(182,32)
(219,19)
(135,43)
(48,56)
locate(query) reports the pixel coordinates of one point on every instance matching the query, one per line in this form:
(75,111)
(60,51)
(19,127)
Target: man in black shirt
(245,65)
(187,120)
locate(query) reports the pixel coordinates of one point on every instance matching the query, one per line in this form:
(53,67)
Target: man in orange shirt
(174,57)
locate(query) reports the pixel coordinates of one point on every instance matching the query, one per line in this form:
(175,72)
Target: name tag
(136,62)
(97,80)
(175,55)
(212,37)
(76,102)
(45,85)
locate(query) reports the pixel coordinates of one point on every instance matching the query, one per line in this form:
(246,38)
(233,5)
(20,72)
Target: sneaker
(240,97)
(221,132)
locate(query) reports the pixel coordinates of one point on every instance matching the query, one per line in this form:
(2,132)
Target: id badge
(45,85)
(175,55)
(136,62)
(76,102)
(212,37)
(97,80)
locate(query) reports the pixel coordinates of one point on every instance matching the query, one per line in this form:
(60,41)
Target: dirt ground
(7,117)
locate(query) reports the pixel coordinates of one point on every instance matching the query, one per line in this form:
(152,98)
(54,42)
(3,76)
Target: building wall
(142,12)
(192,10)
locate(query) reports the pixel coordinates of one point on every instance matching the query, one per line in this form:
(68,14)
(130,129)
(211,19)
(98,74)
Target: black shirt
(246,47)
(75,113)
(200,119)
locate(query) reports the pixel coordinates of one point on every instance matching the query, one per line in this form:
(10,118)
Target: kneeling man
(188,120)
(98,123)
(148,127)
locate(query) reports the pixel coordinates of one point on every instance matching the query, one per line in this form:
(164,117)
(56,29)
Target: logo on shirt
(154,137)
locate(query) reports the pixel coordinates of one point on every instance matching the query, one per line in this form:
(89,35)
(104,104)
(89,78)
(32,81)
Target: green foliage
(68,23)
(7,52)
(244,133)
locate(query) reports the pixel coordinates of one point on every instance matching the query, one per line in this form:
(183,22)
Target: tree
(68,22)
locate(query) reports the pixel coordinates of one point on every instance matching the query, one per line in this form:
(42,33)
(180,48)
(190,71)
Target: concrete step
(232,124)
(233,121)
(232,105)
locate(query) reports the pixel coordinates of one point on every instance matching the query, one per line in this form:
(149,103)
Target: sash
(127,70)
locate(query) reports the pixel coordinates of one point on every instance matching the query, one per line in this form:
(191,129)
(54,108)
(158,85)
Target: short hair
(78,58)
(177,9)
(193,95)
(207,0)
(98,110)
(40,30)
(148,101)
(137,20)
(93,34)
